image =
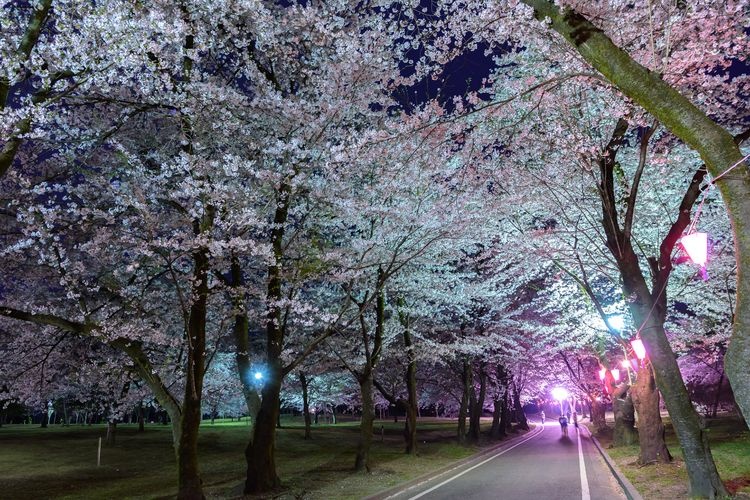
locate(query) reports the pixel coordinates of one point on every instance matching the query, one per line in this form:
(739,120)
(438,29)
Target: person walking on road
(563,424)
(575,420)
(541,414)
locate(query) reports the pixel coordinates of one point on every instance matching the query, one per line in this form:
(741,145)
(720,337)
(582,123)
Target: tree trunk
(412,406)
(362,460)
(717,399)
(242,347)
(111,433)
(497,431)
(520,414)
(598,416)
(650,427)
(260,452)
(465,397)
(141,420)
(477,405)
(625,433)
(188,473)
(305,405)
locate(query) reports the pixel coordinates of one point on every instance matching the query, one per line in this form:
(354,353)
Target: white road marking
(585,495)
(474,467)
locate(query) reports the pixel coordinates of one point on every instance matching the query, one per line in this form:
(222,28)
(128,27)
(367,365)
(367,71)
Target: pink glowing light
(615,374)
(602,373)
(626,364)
(696,247)
(638,348)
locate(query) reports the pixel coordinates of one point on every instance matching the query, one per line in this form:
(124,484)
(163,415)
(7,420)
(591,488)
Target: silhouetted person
(563,424)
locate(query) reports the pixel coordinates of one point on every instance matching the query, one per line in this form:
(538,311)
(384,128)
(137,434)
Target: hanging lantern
(615,374)
(638,348)
(602,373)
(696,247)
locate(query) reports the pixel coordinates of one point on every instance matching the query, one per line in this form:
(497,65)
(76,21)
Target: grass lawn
(60,462)
(730,446)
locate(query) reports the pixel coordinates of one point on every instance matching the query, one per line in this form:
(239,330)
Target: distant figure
(541,414)
(563,424)
(575,420)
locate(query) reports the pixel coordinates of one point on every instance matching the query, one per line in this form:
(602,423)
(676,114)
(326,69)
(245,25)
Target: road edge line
(630,491)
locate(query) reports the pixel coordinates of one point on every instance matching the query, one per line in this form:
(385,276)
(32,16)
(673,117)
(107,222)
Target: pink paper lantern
(696,247)
(638,348)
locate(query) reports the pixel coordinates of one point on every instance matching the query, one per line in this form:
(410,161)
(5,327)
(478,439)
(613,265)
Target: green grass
(730,446)
(60,462)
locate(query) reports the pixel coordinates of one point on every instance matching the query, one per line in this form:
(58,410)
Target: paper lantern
(602,373)
(615,374)
(638,348)
(696,247)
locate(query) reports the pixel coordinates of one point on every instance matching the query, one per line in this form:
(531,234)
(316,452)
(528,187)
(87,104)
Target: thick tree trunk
(242,348)
(625,433)
(465,397)
(260,452)
(520,415)
(188,473)
(305,405)
(362,460)
(717,149)
(477,406)
(497,431)
(650,427)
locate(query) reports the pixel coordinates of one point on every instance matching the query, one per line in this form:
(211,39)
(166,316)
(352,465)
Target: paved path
(541,465)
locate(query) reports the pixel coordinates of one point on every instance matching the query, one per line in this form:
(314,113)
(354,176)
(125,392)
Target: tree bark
(625,433)
(477,406)
(465,397)
(598,416)
(520,414)
(410,430)
(242,346)
(111,433)
(189,481)
(362,460)
(650,427)
(260,451)
(305,405)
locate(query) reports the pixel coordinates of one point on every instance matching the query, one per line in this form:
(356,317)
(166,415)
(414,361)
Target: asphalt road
(541,465)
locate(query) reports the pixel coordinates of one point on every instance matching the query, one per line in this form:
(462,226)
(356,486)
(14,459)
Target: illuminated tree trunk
(477,405)
(362,459)
(260,452)
(650,427)
(625,433)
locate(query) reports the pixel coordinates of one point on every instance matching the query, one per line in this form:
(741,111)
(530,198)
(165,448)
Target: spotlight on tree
(602,374)
(615,374)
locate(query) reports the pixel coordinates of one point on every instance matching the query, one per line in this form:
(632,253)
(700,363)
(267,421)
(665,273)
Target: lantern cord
(711,184)
(725,172)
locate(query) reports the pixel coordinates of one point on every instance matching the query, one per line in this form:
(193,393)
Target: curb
(626,485)
(395,490)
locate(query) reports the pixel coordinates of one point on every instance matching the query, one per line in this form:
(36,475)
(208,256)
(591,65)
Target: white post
(99,453)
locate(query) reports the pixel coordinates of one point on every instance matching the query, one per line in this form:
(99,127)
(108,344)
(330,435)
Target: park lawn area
(60,462)
(730,446)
